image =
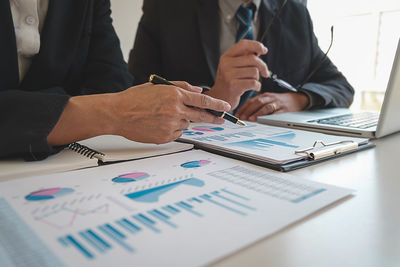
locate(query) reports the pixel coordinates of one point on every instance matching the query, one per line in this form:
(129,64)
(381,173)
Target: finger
(249,61)
(265,110)
(187,86)
(252,107)
(261,99)
(176,135)
(242,108)
(245,47)
(205,101)
(184,124)
(198,115)
(246,73)
(244,85)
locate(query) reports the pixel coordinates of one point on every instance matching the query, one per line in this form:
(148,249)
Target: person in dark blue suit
(234,46)
(63,79)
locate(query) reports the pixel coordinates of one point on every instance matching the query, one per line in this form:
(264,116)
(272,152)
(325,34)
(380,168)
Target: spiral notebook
(88,153)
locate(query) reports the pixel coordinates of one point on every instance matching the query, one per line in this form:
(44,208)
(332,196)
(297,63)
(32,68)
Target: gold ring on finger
(274,107)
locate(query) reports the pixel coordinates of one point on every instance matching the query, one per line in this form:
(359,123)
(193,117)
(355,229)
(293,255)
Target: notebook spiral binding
(84,150)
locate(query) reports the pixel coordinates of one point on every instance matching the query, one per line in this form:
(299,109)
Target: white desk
(363,230)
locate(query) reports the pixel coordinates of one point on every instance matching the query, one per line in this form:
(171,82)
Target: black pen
(155,79)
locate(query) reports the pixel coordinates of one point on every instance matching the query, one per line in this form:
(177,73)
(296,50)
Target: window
(365,40)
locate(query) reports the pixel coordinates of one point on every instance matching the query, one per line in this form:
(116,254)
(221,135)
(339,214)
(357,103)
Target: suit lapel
(8,49)
(59,40)
(208,21)
(268,9)
(273,39)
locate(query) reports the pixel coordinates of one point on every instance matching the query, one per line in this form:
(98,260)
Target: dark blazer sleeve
(29,111)
(105,68)
(145,57)
(327,82)
(26,120)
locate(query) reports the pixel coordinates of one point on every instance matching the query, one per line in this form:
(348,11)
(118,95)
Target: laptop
(342,121)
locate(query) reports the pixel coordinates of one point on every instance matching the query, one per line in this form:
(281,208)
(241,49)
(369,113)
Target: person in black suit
(73,86)
(187,39)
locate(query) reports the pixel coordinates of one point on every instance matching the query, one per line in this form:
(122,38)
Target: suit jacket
(179,39)
(79,54)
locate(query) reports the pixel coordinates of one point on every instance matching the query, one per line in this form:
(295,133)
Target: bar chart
(93,242)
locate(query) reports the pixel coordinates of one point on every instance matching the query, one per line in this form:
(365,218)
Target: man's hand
(158,113)
(269,103)
(146,113)
(239,70)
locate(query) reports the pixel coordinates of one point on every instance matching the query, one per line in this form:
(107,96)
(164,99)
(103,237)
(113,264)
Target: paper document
(185,209)
(272,144)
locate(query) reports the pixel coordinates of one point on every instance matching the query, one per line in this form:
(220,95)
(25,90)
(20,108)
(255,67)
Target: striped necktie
(244,16)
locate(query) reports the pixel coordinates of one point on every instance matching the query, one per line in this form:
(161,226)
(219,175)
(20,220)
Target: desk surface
(363,230)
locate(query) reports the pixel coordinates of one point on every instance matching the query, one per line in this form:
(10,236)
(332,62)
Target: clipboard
(273,147)
(330,151)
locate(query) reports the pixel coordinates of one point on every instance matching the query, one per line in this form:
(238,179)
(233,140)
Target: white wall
(126,15)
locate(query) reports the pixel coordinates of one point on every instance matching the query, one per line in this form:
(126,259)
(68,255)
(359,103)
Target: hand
(268,103)
(158,113)
(146,113)
(239,70)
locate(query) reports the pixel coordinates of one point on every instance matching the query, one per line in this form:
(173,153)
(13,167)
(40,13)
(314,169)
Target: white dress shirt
(28,17)
(229,24)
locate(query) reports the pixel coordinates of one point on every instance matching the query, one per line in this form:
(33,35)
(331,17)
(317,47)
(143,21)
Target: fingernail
(199,89)
(227,107)
(265,49)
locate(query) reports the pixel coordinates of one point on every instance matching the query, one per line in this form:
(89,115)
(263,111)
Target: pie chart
(195,164)
(49,193)
(130,177)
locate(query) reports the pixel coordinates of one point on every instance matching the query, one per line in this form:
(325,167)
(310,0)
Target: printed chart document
(266,144)
(184,209)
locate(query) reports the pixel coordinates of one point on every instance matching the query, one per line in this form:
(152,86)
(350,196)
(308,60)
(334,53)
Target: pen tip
(242,123)
(151,77)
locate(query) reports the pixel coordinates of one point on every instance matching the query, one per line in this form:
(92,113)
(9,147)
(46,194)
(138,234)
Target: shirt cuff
(313,99)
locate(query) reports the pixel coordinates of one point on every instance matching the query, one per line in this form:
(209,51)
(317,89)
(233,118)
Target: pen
(155,79)
(281,83)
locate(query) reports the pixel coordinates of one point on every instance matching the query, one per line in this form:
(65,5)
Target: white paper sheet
(185,209)
(272,144)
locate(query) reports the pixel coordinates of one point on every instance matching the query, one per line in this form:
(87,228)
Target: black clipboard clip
(321,150)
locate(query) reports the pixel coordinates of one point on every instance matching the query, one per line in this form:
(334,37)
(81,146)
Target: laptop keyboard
(360,120)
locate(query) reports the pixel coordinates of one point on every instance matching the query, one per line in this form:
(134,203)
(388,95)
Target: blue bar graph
(171,209)
(128,226)
(189,208)
(155,220)
(98,246)
(261,144)
(99,239)
(211,200)
(194,199)
(116,237)
(69,240)
(217,194)
(115,231)
(234,194)
(162,217)
(146,222)
(239,135)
